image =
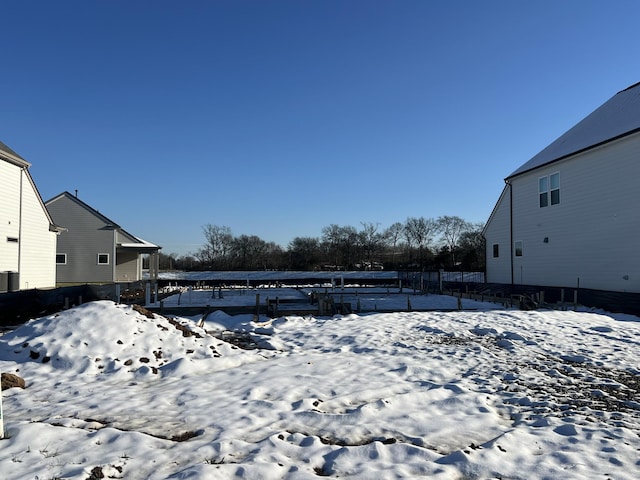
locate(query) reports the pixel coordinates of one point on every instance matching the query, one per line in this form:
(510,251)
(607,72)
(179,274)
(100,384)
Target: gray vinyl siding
(497,232)
(85,238)
(129,267)
(592,232)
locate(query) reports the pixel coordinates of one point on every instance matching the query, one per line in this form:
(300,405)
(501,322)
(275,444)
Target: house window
(12,239)
(549,190)
(518,249)
(496,250)
(61,258)
(103,259)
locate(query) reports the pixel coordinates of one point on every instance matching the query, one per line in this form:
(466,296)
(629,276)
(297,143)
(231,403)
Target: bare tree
(392,236)
(248,252)
(340,243)
(420,232)
(370,240)
(304,252)
(451,228)
(471,248)
(217,247)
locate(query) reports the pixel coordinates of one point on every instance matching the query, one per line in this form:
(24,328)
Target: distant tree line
(447,242)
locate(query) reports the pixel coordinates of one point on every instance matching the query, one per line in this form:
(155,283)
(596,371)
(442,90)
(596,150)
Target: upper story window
(549,190)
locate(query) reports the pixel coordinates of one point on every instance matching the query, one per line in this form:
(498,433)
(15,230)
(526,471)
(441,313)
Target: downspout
(115,248)
(511,227)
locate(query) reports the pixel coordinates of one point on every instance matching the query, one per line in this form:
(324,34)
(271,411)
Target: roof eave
(517,173)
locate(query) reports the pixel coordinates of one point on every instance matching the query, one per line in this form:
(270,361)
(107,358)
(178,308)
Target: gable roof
(10,156)
(134,242)
(617,117)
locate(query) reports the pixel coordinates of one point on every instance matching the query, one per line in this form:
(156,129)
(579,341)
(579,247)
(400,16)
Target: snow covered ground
(491,393)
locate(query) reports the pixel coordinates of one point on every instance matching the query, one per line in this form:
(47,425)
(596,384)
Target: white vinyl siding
(497,232)
(37,243)
(27,246)
(9,215)
(591,233)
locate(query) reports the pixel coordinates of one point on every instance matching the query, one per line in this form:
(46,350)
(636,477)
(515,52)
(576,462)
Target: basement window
(549,190)
(103,259)
(61,258)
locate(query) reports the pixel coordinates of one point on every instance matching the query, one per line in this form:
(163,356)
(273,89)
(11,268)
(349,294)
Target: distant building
(27,232)
(570,215)
(95,249)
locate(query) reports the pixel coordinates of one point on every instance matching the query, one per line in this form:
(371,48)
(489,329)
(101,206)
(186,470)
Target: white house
(570,216)
(27,233)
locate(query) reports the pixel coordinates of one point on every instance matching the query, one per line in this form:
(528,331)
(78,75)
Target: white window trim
(551,190)
(63,262)
(548,191)
(515,248)
(102,263)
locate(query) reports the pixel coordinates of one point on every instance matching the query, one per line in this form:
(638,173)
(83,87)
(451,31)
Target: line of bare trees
(419,243)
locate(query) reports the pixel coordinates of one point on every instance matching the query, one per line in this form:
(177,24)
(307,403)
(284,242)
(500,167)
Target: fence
(431,281)
(18,307)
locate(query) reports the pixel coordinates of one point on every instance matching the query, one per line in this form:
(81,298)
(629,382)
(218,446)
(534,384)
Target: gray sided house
(570,216)
(93,248)
(27,232)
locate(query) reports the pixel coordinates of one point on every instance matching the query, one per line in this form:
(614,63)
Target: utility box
(4,281)
(13,282)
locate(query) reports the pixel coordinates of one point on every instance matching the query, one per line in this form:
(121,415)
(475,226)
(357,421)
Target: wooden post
(257,314)
(1,418)
(408,303)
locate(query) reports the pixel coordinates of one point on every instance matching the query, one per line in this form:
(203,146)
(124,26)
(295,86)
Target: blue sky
(278,118)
